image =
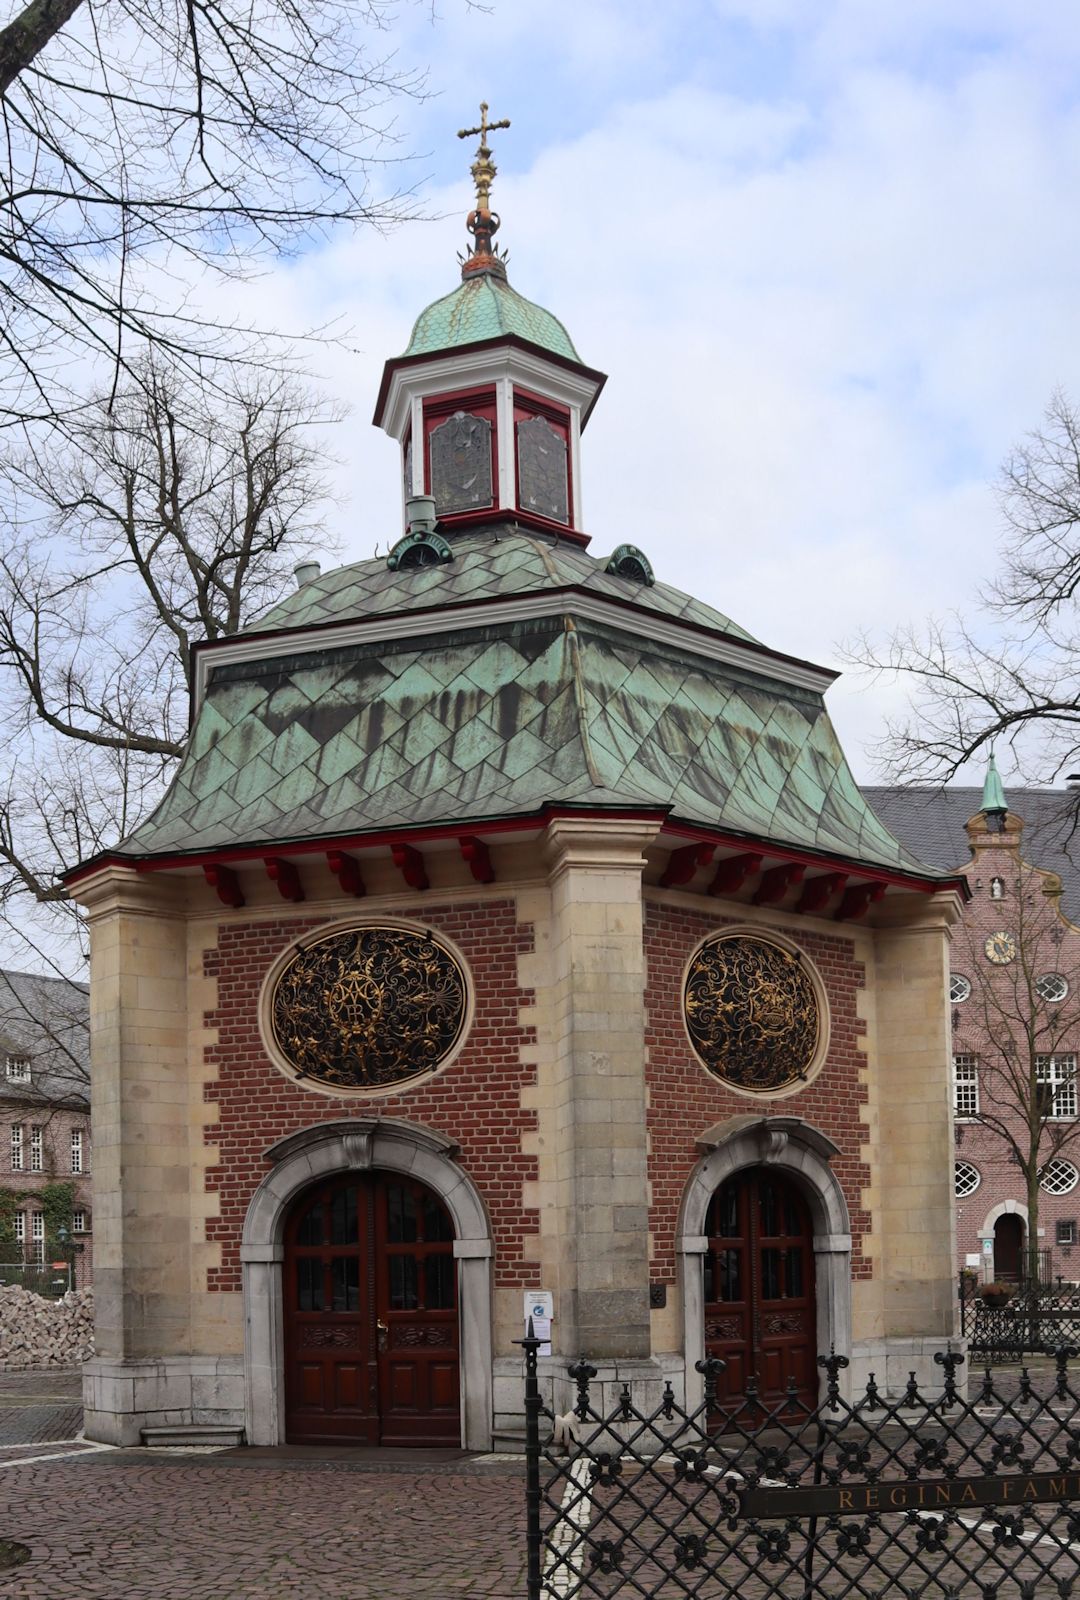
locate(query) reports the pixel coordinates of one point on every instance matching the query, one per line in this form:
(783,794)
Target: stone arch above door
(801,1151)
(356,1144)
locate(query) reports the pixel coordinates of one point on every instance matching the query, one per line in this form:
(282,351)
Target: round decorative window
(752,1012)
(966,1179)
(959,988)
(1058,1176)
(1052,986)
(360,1008)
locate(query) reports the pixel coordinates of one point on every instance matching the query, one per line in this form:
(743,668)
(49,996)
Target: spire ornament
(482,222)
(994,806)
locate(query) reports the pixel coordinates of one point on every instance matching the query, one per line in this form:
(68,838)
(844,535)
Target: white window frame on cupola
(508,371)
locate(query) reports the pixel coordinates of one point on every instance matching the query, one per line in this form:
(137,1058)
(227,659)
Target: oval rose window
(364,1007)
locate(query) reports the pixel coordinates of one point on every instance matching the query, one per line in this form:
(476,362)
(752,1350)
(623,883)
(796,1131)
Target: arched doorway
(370,1314)
(1008,1247)
(760,1313)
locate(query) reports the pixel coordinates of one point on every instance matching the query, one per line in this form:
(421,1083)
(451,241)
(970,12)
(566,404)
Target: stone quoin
(513,925)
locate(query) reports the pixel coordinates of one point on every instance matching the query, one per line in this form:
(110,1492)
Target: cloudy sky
(825,250)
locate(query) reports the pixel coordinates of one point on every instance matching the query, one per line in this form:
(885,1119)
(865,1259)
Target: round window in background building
(1058,1176)
(959,988)
(1051,986)
(966,1179)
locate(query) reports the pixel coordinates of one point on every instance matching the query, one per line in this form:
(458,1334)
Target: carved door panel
(760,1316)
(417,1327)
(371,1326)
(331,1381)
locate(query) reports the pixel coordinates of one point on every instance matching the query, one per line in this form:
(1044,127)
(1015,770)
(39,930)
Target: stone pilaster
(594,1098)
(915,1212)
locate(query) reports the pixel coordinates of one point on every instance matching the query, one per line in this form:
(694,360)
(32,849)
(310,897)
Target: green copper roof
(993,795)
(497,562)
(498,720)
(484,307)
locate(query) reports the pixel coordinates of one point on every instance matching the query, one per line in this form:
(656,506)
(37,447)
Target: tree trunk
(29,33)
(1031,1243)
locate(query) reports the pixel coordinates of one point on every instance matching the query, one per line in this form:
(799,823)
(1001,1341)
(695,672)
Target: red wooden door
(371,1325)
(760,1316)
(1008,1247)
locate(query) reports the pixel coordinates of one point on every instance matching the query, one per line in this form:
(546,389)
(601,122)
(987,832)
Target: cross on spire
(482,222)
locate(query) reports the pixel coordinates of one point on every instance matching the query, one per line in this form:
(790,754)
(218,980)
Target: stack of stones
(35,1332)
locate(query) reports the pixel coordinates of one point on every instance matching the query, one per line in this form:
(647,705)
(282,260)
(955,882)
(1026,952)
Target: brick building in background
(45,1118)
(513,927)
(1018,950)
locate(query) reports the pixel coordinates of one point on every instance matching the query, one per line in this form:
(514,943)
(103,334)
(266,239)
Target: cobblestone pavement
(40,1407)
(120,1526)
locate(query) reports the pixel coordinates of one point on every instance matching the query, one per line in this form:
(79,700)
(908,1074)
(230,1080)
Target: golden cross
(483,168)
(485,127)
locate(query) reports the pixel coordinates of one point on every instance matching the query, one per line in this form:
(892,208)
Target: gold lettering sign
(751,1011)
(368,1006)
(857,1499)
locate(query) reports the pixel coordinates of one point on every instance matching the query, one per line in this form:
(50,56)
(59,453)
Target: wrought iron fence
(958,1498)
(1032,1322)
(50,1281)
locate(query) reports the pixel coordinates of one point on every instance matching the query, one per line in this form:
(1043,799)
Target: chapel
(513,934)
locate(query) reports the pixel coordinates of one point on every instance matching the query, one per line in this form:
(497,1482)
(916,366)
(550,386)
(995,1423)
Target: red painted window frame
(478,403)
(528,405)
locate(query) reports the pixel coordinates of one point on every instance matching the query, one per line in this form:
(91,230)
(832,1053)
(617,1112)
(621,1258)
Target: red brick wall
(475,1101)
(685,1099)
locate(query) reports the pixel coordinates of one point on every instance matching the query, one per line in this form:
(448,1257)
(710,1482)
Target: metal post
(531,1345)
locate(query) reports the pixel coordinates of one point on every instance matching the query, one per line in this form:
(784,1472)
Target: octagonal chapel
(513,933)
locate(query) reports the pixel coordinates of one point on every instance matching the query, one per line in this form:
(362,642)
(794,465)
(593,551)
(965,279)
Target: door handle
(381,1325)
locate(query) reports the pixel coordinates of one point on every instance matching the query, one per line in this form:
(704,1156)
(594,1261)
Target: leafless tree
(1025,1035)
(147,140)
(1009,671)
(161,515)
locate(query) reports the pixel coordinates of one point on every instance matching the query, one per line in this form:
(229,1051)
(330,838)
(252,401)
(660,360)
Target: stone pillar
(915,1216)
(595,1093)
(139,1093)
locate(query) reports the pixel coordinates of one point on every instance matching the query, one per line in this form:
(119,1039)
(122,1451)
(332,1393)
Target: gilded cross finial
(482,222)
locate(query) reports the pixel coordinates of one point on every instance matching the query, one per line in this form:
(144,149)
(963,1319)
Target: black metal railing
(941,1495)
(1031,1322)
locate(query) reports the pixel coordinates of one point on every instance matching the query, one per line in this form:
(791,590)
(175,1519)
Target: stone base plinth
(122,1398)
(892,1360)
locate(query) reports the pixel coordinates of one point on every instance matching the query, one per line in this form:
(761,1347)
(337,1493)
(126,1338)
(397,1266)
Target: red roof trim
(495,825)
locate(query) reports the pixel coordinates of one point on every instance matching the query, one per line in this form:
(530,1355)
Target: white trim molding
(356,1144)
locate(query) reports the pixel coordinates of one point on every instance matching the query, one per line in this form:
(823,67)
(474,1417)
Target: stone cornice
(600,844)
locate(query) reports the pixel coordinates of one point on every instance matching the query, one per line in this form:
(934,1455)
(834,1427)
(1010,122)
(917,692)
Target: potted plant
(997,1293)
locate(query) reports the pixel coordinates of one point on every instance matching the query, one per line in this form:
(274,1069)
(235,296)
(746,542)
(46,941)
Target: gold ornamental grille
(751,1012)
(368,1006)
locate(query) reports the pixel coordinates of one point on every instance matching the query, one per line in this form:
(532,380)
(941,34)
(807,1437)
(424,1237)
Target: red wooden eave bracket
(285,875)
(777,881)
(858,900)
(410,863)
(684,862)
(478,856)
(733,873)
(225,881)
(346,870)
(819,891)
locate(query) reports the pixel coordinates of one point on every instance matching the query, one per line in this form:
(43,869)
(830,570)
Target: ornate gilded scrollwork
(368,1006)
(751,1012)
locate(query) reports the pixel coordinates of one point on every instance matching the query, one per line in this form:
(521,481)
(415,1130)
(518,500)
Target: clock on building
(1000,949)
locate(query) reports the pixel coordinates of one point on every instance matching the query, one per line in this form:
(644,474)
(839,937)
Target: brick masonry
(684,1099)
(475,1101)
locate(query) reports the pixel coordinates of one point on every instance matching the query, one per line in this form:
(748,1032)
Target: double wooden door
(760,1317)
(371,1319)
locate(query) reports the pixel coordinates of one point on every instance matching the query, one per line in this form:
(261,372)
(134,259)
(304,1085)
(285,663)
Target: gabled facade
(45,1136)
(513,935)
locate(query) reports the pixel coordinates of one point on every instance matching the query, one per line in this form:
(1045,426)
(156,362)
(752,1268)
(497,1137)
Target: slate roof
(930,821)
(483,307)
(488,564)
(47,1019)
(481,722)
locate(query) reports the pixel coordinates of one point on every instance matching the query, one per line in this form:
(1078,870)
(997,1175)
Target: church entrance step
(192,1436)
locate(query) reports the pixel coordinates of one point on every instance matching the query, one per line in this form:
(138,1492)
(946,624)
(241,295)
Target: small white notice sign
(540,1308)
(988,1247)
(972,1260)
